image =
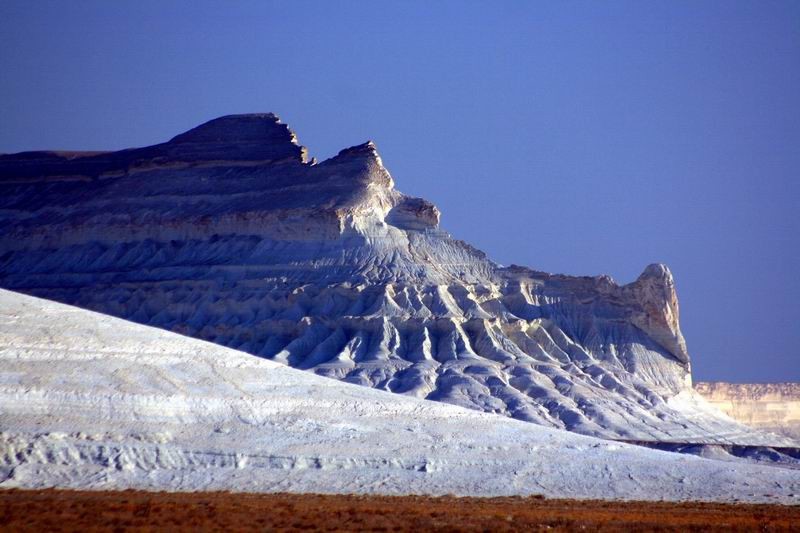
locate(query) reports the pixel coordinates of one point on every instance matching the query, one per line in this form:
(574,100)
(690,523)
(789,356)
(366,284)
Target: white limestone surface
(90,401)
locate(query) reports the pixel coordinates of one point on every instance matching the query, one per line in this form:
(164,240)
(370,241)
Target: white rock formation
(773,407)
(91,401)
(228,234)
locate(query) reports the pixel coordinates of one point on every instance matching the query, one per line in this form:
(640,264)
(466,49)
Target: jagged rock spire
(655,291)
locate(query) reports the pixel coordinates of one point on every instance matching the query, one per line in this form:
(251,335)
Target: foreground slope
(228,233)
(91,401)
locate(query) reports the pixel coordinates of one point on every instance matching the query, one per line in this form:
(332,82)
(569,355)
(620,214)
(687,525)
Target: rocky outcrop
(770,406)
(654,293)
(236,140)
(229,234)
(414,214)
(255,137)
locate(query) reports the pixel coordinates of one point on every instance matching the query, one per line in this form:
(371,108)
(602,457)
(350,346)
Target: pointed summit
(362,161)
(367,149)
(366,152)
(655,292)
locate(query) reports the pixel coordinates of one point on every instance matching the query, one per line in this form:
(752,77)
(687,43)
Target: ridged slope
(93,402)
(228,234)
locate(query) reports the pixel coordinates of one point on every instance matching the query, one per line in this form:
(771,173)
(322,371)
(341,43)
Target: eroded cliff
(228,233)
(770,406)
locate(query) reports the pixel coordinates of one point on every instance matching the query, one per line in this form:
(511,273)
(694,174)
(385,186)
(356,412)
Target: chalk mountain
(228,233)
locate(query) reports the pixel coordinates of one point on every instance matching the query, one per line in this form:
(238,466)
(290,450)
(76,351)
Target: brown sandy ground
(57,510)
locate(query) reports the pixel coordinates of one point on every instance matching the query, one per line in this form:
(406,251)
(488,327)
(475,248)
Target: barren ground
(49,510)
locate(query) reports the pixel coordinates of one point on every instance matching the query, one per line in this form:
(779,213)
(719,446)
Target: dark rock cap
(252,136)
(248,139)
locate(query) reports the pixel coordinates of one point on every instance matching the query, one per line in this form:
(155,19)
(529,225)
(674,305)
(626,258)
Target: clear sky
(575,137)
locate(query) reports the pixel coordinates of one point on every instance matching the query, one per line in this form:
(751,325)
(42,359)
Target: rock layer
(770,406)
(229,234)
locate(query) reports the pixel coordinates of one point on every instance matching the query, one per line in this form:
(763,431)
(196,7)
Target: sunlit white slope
(90,401)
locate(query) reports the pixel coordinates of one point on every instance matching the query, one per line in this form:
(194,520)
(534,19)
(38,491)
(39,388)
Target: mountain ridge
(327,267)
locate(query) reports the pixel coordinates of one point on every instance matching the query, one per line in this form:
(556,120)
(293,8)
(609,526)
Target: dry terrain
(57,510)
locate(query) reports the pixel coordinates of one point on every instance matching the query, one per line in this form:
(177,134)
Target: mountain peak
(366,148)
(254,135)
(655,291)
(656,271)
(367,151)
(363,162)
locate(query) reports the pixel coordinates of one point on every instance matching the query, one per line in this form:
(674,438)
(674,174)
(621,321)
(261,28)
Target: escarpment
(770,406)
(228,233)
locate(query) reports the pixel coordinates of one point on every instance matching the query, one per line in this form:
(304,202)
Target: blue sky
(575,137)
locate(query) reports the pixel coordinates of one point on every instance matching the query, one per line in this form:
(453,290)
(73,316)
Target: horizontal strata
(227,233)
(769,406)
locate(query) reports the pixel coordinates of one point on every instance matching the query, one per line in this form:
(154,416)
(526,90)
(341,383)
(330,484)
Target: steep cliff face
(229,234)
(654,292)
(770,406)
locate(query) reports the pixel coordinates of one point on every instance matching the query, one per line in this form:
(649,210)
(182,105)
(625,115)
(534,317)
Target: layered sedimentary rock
(229,234)
(770,406)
